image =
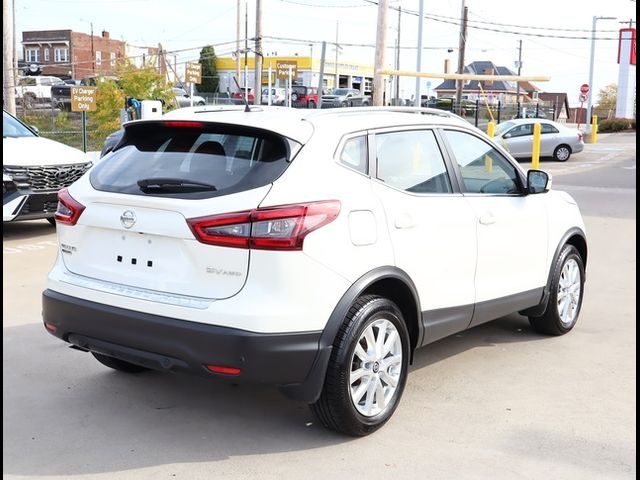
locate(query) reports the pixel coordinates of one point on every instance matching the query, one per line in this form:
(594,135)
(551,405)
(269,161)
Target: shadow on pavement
(28,229)
(89,419)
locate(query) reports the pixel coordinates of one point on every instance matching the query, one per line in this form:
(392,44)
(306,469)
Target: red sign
(584,88)
(629,38)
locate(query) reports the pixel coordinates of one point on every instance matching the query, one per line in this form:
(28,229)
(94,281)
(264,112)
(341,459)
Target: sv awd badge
(128,219)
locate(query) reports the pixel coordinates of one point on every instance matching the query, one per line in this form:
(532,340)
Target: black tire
(344,104)
(200,104)
(118,364)
(562,153)
(294,97)
(550,322)
(312,104)
(335,408)
(52,221)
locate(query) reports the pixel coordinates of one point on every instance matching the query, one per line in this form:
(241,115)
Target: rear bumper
(293,361)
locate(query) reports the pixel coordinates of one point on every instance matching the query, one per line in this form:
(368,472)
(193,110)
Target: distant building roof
(483,68)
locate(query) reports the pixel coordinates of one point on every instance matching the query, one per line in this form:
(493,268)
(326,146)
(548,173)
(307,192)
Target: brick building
(69,54)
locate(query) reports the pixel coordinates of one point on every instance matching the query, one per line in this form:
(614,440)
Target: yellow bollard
(535,153)
(488,161)
(594,129)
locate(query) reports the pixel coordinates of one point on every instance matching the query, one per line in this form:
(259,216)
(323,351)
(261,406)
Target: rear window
(191,161)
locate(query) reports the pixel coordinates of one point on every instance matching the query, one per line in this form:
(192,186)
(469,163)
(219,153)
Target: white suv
(313,250)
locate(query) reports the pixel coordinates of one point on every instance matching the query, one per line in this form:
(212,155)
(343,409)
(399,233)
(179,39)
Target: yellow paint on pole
(594,129)
(535,154)
(488,161)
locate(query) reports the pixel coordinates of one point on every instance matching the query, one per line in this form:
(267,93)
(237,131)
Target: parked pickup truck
(345,97)
(35,89)
(61,94)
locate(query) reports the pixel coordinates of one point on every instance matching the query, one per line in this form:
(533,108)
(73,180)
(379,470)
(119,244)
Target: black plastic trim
(540,308)
(165,343)
(442,322)
(496,308)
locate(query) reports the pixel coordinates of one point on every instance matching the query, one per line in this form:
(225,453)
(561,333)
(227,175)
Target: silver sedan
(557,140)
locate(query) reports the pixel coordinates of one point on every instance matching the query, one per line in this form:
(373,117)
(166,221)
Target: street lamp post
(591,62)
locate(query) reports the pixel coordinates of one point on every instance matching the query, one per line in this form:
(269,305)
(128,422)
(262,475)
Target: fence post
(537,109)
(477,108)
(499,109)
(518,113)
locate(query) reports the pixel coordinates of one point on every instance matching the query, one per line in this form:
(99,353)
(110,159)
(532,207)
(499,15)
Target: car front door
(431,225)
(519,140)
(511,227)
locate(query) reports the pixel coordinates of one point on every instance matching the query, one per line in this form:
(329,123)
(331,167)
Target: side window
(548,128)
(354,154)
(521,130)
(412,161)
(483,168)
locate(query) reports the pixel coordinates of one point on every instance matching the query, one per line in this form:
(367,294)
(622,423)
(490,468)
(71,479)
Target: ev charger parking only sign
(83,99)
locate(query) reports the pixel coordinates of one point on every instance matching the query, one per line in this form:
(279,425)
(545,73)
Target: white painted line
(28,247)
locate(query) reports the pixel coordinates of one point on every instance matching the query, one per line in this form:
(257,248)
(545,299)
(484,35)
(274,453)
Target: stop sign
(584,88)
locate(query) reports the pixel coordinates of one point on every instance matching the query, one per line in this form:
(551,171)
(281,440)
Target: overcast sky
(190,24)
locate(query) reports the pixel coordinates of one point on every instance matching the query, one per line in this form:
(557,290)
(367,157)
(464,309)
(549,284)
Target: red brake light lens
(183,124)
(276,228)
(223,370)
(69,209)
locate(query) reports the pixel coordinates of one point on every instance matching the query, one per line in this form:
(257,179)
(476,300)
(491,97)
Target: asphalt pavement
(497,401)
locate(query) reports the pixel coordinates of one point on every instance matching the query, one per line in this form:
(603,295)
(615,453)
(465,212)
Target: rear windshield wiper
(173,184)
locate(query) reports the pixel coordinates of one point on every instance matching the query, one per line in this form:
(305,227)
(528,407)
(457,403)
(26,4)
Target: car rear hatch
(135,224)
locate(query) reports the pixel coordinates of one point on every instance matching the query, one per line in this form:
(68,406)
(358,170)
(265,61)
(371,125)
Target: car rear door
(511,227)
(431,225)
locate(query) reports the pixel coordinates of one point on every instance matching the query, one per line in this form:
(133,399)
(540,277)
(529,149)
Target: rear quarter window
(229,158)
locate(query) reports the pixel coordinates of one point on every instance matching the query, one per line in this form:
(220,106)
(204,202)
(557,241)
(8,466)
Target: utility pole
(417,101)
(15,40)
(8,84)
(337,81)
(461,50)
(245,86)
(381,46)
(321,75)
(398,55)
(257,96)
(93,53)
(238,30)
(519,65)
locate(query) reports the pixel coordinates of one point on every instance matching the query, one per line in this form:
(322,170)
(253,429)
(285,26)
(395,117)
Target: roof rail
(397,109)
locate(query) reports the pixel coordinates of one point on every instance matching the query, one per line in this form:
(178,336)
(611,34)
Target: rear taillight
(580,136)
(276,228)
(69,209)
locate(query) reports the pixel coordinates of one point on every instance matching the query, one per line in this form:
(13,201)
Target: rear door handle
(487,219)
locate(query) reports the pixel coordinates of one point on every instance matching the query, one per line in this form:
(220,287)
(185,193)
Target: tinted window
(548,128)
(521,130)
(483,168)
(412,161)
(233,159)
(27,82)
(354,154)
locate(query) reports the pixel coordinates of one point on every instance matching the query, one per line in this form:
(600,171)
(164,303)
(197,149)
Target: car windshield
(227,159)
(12,127)
(340,91)
(503,127)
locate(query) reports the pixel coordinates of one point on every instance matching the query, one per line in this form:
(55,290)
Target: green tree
(606,107)
(210,78)
(140,83)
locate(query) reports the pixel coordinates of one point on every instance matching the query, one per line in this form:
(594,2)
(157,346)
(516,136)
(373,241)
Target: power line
(456,21)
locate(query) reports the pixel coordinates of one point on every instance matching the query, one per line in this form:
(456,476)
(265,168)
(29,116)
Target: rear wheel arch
(388,282)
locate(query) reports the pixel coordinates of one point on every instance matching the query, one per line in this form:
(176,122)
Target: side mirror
(506,135)
(537,181)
